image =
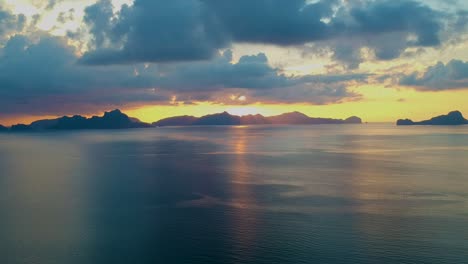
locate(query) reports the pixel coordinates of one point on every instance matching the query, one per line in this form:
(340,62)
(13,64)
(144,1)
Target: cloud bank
(453,75)
(179,51)
(44,77)
(181,30)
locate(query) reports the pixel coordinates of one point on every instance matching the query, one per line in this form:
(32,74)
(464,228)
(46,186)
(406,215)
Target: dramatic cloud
(292,22)
(410,17)
(98,17)
(187,30)
(251,72)
(43,75)
(49,66)
(36,77)
(179,51)
(453,75)
(153,31)
(387,28)
(253,76)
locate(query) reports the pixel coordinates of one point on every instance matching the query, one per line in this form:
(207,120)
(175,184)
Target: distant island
(226,119)
(110,120)
(117,120)
(454,118)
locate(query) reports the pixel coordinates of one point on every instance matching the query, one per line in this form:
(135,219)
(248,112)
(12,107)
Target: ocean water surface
(372,193)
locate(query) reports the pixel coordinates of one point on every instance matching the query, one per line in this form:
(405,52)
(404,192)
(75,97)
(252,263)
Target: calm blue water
(302,194)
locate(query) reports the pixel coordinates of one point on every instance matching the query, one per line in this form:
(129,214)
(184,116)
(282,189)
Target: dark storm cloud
(251,72)
(397,16)
(83,103)
(453,75)
(253,76)
(292,22)
(187,30)
(461,22)
(44,76)
(153,31)
(38,77)
(387,28)
(49,66)
(98,17)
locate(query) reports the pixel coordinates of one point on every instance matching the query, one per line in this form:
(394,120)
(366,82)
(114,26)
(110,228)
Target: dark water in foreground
(303,194)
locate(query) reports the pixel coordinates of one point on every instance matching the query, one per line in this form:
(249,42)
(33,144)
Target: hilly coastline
(454,118)
(117,120)
(226,119)
(110,120)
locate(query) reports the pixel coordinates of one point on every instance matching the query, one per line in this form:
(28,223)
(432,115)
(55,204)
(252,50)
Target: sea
(370,193)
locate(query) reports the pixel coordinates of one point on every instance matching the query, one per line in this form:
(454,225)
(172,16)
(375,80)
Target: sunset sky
(380,60)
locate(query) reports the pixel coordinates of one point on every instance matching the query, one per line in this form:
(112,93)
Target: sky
(378,59)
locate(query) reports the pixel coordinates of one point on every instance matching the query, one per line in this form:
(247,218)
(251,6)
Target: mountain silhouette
(222,119)
(254,120)
(353,120)
(21,128)
(117,120)
(226,119)
(293,118)
(177,121)
(110,120)
(453,118)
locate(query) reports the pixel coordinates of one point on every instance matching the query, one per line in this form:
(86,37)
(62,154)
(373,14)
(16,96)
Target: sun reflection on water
(244,216)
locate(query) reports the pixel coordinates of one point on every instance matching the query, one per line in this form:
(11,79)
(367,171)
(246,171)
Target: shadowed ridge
(221,119)
(226,119)
(353,120)
(3,128)
(117,120)
(44,124)
(20,128)
(110,120)
(405,122)
(292,118)
(297,118)
(176,121)
(254,120)
(453,118)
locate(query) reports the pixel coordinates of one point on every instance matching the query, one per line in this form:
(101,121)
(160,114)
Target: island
(117,120)
(110,120)
(226,119)
(454,118)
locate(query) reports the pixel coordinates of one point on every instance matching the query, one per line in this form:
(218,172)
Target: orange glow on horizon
(378,105)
